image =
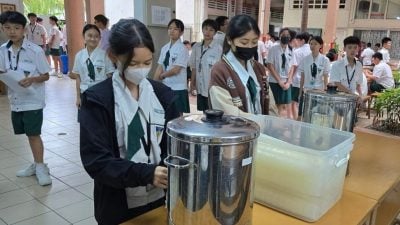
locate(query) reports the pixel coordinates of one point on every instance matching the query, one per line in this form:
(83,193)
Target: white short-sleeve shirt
(31,61)
(383,75)
(219,38)
(385,55)
(323,66)
(35,32)
(349,79)
(201,60)
(102,66)
(261,48)
(298,56)
(178,56)
(275,58)
(54,31)
(367,56)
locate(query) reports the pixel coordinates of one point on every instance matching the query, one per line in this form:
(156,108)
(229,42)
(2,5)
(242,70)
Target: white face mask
(136,75)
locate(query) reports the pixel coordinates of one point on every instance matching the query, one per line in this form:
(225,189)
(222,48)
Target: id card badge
(199,68)
(312,82)
(283,74)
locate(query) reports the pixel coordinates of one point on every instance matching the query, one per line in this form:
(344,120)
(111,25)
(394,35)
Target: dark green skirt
(182,101)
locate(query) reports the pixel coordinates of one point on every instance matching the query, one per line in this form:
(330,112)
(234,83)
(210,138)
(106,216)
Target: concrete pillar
(93,7)
(330,24)
(264,12)
(304,16)
(238,7)
(74,11)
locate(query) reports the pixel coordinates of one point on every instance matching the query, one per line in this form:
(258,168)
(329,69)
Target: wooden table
(369,197)
(352,209)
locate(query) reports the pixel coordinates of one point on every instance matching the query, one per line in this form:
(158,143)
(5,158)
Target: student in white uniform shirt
(123,139)
(102,23)
(22,57)
(303,49)
(347,72)
(35,32)
(278,64)
(366,55)
(222,25)
(91,65)
(204,55)
(381,76)
(174,58)
(54,41)
(386,46)
(314,70)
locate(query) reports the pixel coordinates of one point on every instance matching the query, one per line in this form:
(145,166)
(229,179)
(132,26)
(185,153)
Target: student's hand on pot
(160,177)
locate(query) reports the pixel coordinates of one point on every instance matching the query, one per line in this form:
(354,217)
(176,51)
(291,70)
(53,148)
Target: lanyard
(33,30)
(202,54)
(147,145)
(352,76)
(9,60)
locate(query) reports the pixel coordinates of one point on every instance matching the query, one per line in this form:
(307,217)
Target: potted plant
(387,106)
(396,77)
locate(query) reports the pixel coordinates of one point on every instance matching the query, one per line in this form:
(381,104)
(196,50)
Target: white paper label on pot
(247,161)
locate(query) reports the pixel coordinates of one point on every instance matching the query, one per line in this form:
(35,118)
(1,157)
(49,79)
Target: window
(316,4)
(393,11)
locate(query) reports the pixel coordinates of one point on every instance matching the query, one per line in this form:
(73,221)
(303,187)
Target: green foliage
(396,76)
(44,7)
(388,105)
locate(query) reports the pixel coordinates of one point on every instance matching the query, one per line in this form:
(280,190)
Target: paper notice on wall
(160,15)
(11,79)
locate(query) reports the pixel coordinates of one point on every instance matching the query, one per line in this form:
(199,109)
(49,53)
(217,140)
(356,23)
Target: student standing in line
(102,23)
(174,58)
(22,56)
(347,73)
(298,56)
(222,25)
(35,32)
(278,64)
(236,80)
(92,64)
(54,42)
(366,55)
(386,46)
(204,55)
(314,70)
(123,121)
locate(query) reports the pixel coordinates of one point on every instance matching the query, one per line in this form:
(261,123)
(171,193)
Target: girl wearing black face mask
(236,84)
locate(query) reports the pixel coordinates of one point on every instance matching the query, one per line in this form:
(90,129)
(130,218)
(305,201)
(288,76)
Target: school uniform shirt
(261,48)
(178,56)
(275,58)
(349,79)
(323,66)
(383,75)
(385,55)
(102,66)
(151,114)
(298,55)
(31,61)
(105,35)
(54,31)
(367,56)
(34,33)
(202,60)
(219,38)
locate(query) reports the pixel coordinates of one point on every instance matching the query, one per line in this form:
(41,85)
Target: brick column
(329,33)
(93,7)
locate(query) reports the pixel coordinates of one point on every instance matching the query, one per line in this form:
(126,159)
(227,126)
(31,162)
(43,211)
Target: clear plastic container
(300,167)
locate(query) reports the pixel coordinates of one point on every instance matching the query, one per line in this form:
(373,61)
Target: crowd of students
(123,110)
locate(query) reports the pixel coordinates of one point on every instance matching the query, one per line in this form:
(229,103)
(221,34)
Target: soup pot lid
(213,128)
(332,96)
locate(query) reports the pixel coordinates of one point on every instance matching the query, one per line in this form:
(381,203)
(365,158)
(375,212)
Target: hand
(26,82)
(161,77)
(286,86)
(160,177)
(78,102)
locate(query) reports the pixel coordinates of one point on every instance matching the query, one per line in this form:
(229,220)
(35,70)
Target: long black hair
(238,26)
(126,35)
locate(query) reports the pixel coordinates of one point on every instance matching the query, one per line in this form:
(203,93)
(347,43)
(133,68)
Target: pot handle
(342,161)
(167,161)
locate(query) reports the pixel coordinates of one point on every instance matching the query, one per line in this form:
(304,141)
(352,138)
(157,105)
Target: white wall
(115,10)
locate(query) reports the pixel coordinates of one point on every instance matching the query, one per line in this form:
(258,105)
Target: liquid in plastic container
(300,167)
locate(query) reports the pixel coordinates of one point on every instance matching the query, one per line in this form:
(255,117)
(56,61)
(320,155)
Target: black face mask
(245,53)
(285,40)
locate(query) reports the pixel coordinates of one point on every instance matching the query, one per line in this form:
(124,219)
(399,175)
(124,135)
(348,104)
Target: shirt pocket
(211,60)
(158,124)
(27,67)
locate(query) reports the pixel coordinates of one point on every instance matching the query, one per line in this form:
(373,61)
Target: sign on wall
(7,7)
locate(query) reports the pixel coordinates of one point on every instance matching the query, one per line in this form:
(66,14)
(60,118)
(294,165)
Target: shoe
(59,75)
(27,172)
(42,174)
(53,73)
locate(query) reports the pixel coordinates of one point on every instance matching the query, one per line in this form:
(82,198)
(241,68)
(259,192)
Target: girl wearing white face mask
(123,121)
(91,65)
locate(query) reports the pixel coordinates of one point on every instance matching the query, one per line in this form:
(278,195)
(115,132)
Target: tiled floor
(69,199)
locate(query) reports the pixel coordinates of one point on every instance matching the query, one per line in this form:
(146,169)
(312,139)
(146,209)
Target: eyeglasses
(314,70)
